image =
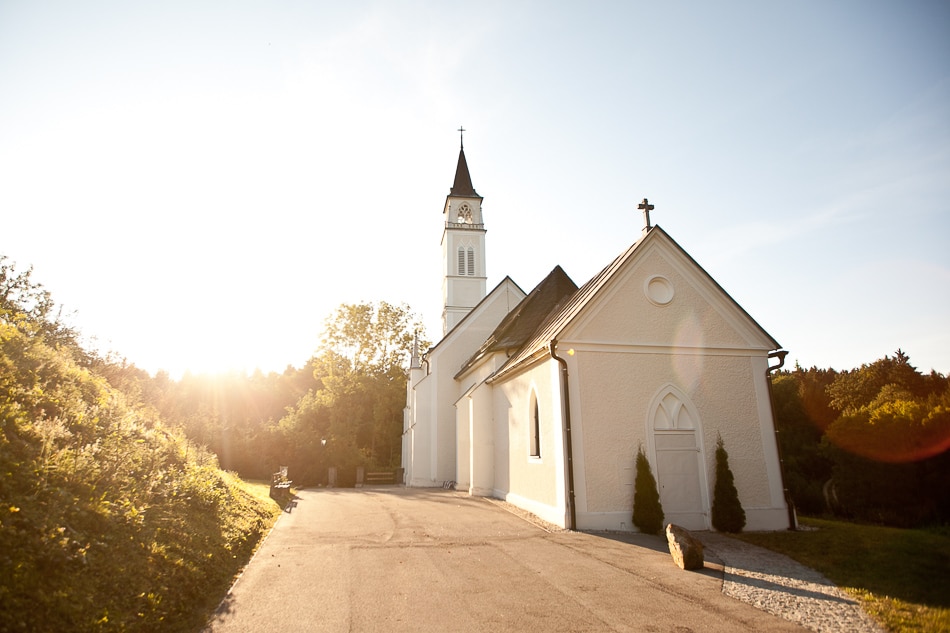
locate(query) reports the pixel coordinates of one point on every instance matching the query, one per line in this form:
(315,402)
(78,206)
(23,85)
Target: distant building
(542,398)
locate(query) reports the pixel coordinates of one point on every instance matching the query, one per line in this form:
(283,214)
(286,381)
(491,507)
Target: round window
(658,290)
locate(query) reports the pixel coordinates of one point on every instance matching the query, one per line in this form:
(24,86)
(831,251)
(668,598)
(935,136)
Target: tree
(813,386)
(857,388)
(29,307)
(358,402)
(871,443)
(891,459)
(647,510)
(371,338)
(806,464)
(727,512)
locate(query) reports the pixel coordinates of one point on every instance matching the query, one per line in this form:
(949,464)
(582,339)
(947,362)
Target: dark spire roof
(463,181)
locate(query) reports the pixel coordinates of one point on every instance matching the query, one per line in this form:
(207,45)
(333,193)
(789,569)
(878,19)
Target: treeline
(110,519)
(342,409)
(868,444)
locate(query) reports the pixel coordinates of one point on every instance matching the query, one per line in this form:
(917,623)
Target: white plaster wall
(436,425)
(463,437)
(536,484)
(482,442)
(417,458)
(616,390)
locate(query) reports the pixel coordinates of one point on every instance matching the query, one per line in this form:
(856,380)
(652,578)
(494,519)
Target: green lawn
(260,488)
(901,576)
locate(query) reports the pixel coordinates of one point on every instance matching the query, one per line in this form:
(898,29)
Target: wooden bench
(279,485)
(382,477)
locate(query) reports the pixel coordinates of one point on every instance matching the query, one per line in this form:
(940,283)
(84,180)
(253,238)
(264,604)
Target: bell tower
(463,247)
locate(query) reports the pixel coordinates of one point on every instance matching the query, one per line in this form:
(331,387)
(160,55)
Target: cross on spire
(646,207)
(461,137)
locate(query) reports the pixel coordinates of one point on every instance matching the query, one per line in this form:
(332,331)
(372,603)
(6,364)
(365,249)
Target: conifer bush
(727,512)
(647,510)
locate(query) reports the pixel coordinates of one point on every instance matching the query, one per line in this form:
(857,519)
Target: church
(543,398)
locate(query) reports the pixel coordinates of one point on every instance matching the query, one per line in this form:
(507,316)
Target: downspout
(569,444)
(780,354)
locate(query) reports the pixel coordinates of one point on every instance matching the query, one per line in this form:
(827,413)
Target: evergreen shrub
(727,512)
(647,510)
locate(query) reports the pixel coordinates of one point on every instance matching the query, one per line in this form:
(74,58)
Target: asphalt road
(397,559)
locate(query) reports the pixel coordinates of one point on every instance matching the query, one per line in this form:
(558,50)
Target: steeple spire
(462,186)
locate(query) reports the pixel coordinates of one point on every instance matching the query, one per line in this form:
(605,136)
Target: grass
(901,577)
(260,488)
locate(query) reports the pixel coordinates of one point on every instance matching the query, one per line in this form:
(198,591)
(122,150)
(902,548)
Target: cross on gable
(646,207)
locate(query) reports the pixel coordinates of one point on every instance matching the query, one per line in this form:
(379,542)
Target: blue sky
(204,183)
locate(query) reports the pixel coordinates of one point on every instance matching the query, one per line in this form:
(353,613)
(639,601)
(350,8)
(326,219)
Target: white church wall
(463,440)
(436,424)
(416,457)
(482,480)
(615,390)
(535,483)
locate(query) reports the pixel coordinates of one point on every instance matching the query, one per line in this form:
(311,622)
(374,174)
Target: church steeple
(463,247)
(463,180)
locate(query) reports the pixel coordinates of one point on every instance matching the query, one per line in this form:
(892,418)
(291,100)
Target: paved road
(397,559)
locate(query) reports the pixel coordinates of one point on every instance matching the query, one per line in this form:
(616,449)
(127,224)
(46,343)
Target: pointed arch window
(471,261)
(534,439)
(672,415)
(461,260)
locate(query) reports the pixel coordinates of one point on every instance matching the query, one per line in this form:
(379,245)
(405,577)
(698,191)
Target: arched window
(461,260)
(672,415)
(534,441)
(471,261)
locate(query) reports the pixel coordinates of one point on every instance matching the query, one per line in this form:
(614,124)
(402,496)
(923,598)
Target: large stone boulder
(687,550)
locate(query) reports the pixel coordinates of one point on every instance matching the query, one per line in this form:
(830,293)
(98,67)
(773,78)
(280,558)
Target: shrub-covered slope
(108,520)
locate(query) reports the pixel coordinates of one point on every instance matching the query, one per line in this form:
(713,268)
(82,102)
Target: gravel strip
(781,586)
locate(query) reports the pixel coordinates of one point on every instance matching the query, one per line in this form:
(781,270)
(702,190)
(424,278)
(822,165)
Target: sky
(201,184)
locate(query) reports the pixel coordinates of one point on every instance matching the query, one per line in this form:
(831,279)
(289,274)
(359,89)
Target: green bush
(647,510)
(727,512)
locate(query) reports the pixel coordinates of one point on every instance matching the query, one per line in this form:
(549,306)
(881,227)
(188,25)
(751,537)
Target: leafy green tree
(647,510)
(890,445)
(357,403)
(806,464)
(727,512)
(813,386)
(28,306)
(854,389)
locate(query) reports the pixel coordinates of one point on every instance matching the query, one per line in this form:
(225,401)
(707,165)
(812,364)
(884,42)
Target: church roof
(463,180)
(550,329)
(518,325)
